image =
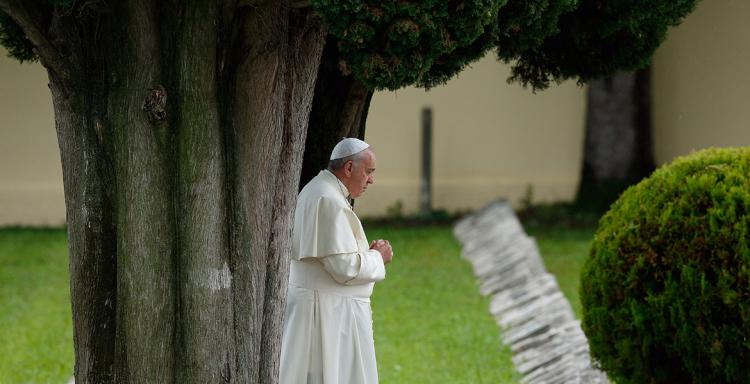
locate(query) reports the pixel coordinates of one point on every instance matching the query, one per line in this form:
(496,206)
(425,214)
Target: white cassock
(328,324)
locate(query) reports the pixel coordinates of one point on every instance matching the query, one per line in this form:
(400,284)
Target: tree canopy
(392,44)
(387,45)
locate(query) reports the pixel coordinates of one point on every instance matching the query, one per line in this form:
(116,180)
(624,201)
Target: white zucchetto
(347,147)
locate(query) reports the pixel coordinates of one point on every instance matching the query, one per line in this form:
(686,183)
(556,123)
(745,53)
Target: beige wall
(30,173)
(490,140)
(701,81)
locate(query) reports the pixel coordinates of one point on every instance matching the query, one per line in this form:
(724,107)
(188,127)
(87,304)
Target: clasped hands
(384,247)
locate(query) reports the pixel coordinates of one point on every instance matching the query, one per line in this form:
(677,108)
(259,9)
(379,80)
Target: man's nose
(370,179)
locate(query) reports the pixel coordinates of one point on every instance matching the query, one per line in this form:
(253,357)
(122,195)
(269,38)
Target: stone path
(536,320)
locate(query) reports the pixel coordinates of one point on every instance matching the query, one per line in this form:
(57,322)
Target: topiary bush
(666,288)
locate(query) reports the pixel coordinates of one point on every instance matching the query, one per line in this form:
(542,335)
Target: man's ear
(349,167)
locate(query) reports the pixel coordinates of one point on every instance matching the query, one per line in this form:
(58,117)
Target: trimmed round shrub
(666,288)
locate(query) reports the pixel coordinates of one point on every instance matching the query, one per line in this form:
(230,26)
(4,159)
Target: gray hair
(337,164)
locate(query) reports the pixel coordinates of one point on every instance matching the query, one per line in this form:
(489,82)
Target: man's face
(362,174)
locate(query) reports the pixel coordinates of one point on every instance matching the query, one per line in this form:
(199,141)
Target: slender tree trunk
(181,128)
(617,149)
(339,110)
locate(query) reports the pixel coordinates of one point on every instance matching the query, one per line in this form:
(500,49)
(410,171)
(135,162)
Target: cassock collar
(341,187)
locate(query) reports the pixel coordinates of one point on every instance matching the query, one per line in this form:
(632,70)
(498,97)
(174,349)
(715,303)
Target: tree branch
(30,16)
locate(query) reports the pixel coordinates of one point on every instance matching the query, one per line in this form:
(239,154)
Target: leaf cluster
(593,38)
(14,40)
(391,44)
(666,288)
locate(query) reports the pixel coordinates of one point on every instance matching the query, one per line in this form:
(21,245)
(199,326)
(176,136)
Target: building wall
(490,140)
(701,81)
(31,189)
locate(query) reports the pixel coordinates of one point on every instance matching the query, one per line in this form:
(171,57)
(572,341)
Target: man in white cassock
(328,324)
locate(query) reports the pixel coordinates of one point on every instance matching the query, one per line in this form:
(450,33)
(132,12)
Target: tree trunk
(182,130)
(339,110)
(617,149)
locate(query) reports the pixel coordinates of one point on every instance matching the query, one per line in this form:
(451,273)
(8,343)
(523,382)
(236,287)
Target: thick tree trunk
(182,131)
(617,149)
(339,110)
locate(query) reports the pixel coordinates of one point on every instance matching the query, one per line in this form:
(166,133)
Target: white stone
(537,321)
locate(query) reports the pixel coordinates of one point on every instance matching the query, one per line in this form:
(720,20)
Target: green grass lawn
(431,325)
(36,337)
(564,251)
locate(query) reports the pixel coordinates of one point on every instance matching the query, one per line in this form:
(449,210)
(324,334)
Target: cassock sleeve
(355,268)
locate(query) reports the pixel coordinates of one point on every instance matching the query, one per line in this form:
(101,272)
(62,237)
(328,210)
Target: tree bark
(181,128)
(617,148)
(340,107)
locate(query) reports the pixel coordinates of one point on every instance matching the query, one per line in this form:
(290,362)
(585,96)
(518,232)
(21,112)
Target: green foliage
(391,44)
(524,24)
(666,288)
(593,40)
(14,40)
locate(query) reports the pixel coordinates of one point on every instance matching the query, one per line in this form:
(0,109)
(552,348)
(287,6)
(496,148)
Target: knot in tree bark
(154,104)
